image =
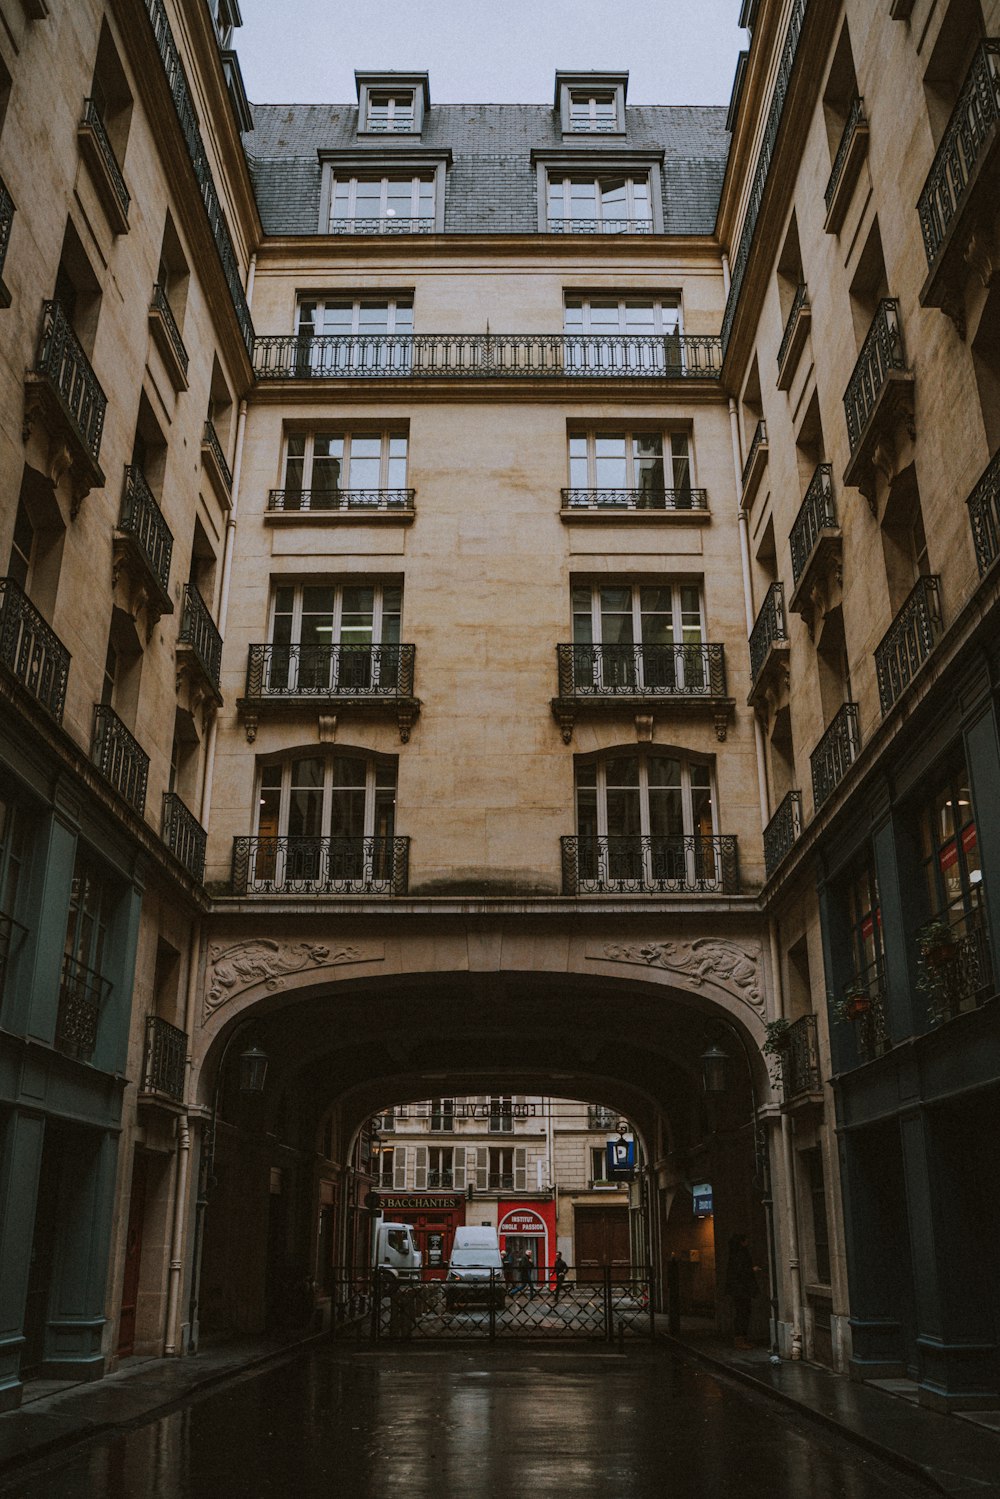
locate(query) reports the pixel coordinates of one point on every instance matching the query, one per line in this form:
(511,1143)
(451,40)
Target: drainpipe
(172,1345)
(788,1171)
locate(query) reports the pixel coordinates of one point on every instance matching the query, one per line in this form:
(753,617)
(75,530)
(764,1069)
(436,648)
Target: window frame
(372,765)
(966,905)
(347,435)
(568,177)
(367,164)
(388,176)
(667,435)
(608,672)
(395,95)
(567,84)
(643,756)
(415,84)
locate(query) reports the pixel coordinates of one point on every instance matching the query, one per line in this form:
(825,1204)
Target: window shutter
(482,1181)
(459,1169)
(520,1170)
(399,1168)
(420,1176)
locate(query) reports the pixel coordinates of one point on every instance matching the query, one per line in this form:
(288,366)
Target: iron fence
(984,516)
(782,831)
(650,864)
(863,1010)
(184,835)
(835,753)
(164,1060)
(324,500)
(160,305)
(198,630)
(31,650)
(973,119)
(67,369)
(93,121)
(958,974)
(338,670)
(855,119)
(881,352)
(211,440)
(142,519)
(800,1060)
(596,1304)
(909,640)
(486,356)
(120,757)
(757,442)
(634,499)
(694,670)
(769,628)
(816,514)
(320,866)
(799,301)
(82,994)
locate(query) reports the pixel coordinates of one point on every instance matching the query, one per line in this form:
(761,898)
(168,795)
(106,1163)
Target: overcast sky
(489,51)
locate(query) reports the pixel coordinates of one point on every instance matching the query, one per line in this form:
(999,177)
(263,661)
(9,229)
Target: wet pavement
(471,1423)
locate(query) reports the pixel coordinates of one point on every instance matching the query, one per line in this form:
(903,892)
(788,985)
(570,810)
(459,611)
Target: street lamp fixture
(715,1069)
(253,1070)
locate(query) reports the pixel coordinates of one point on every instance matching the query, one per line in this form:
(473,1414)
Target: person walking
(525,1265)
(507,1261)
(560,1268)
(741,1287)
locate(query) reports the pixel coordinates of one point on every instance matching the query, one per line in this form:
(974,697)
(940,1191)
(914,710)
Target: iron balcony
(769,634)
(800,1073)
(846,166)
(82,995)
(793,338)
(909,641)
(184,835)
(984,516)
(399,224)
(6,224)
(600,226)
(320,866)
(329,671)
(835,753)
(343,501)
(879,391)
(958,166)
(167,337)
(164,1061)
(120,757)
(489,356)
(640,501)
(960,977)
(640,678)
(63,387)
(199,635)
(31,650)
(668,864)
(864,996)
(141,522)
(215,461)
(817,514)
(782,831)
(100,157)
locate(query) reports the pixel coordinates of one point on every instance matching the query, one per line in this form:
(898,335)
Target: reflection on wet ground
(471,1423)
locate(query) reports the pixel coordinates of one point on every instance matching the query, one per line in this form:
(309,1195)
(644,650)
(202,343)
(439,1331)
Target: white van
(475,1270)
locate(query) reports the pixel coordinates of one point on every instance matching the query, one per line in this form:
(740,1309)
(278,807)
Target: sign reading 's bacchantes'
(418,1202)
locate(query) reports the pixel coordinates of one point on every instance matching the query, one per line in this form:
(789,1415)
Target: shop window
(949,849)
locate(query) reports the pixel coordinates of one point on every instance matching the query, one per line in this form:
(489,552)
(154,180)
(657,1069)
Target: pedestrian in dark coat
(525,1265)
(560,1267)
(741,1287)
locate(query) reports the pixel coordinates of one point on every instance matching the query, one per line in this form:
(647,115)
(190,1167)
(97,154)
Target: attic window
(390,113)
(593,111)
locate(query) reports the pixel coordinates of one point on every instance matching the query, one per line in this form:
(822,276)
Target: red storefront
(528,1225)
(434,1217)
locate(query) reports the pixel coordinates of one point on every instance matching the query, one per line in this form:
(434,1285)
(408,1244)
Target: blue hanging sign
(701,1194)
(621,1157)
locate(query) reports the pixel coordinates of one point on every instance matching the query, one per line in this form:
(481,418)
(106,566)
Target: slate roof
(491,183)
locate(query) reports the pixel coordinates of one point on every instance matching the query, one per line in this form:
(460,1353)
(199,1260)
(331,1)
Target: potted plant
(937,944)
(855,1003)
(777,1038)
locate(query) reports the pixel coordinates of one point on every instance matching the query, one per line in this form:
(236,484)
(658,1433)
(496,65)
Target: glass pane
(579,476)
(294,465)
(681,463)
(656,605)
(357,615)
(666,814)
(366,462)
(609,462)
(583,200)
(328,458)
(614,203)
(624,819)
(397,463)
(573,318)
(647,464)
(555,210)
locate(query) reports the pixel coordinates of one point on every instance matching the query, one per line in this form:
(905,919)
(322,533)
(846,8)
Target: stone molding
(244,965)
(706,960)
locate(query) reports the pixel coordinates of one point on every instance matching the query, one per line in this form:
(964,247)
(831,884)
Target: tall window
(593,111)
(646,463)
(442,1114)
(336,637)
(598,1164)
(390,111)
(337,813)
(501,1114)
(626,635)
(91,905)
(324,465)
(13,852)
(599,205)
(865,918)
(354,336)
(646,817)
(383,205)
(627,335)
(501,1169)
(950,852)
(383,1164)
(22,547)
(440,1166)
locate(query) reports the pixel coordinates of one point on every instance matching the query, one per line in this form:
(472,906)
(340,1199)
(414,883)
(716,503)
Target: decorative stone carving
(261,961)
(705,960)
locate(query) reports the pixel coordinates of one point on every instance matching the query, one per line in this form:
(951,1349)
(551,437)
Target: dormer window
(392,103)
(390,113)
(226,17)
(591,103)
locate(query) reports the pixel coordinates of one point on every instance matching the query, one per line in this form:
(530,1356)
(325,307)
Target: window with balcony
(599,203)
(636,636)
(334,638)
(864,918)
(501,1111)
(383,1166)
(593,111)
(501,1169)
(442,1114)
(358,335)
(84,989)
(167,306)
(440,1166)
(390,111)
(392,103)
(645,470)
(624,335)
(343,470)
(387,204)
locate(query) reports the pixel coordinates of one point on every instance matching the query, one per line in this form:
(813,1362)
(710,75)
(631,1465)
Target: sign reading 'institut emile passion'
(417,1202)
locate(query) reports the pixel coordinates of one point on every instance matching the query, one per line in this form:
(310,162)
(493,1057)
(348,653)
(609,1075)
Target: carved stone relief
(705,960)
(261,961)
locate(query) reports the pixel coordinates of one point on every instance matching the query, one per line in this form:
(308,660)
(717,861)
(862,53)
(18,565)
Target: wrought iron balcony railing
(66,368)
(120,757)
(289,671)
(500,1181)
(769,627)
(835,753)
(320,866)
(173,68)
(757,443)
(31,650)
(211,440)
(440,1179)
(909,641)
(974,118)
(142,518)
(400,224)
(984,516)
(82,994)
(782,831)
(184,835)
(6,221)
(325,501)
(881,352)
(598,1117)
(600,226)
(958,974)
(165,1060)
(864,1010)
(650,865)
(855,119)
(601,500)
(686,670)
(800,1061)
(443,356)
(817,513)
(198,631)
(93,121)
(799,301)
(161,306)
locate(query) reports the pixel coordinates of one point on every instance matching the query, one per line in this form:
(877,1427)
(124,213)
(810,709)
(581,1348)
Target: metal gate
(602,1306)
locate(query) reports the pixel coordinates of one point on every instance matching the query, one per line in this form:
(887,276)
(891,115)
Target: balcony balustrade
(119,757)
(835,754)
(879,391)
(638,501)
(984,516)
(82,994)
(100,157)
(31,650)
(800,1072)
(909,641)
(199,637)
(341,501)
(638,678)
(756,463)
(650,865)
(864,1006)
(817,515)
(164,1061)
(215,461)
(320,866)
(167,337)
(441,1179)
(63,389)
(148,540)
(330,671)
(794,337)
(6,224)
(847,164)
(769,636)
(184,835)
(782,831)
(958,974)
(598,1117)
(486,356)
(398,224)
(500,1181)
(600,226)
(962,157)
